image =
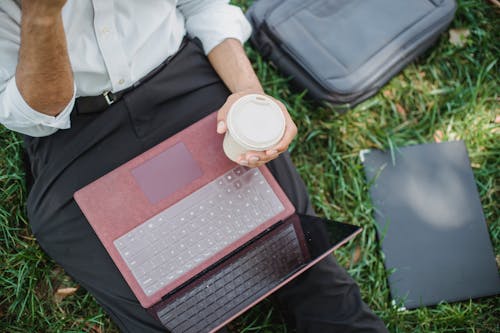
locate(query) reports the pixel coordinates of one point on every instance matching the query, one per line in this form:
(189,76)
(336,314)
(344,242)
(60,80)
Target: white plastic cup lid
(256,122)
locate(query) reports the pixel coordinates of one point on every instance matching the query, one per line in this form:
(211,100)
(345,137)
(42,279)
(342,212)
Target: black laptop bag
(344,51)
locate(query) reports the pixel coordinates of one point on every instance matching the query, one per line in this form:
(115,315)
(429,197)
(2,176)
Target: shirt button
(121,81)
(105,30)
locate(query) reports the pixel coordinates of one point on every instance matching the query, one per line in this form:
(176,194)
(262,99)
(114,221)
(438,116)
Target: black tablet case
(431,224)
(344,51)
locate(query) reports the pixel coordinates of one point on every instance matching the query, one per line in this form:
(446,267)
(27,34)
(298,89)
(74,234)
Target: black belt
(94,104)
(99,103)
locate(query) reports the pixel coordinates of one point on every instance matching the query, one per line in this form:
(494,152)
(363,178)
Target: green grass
(449,89)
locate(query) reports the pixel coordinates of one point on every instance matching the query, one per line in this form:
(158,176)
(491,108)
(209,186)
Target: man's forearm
(43,75)
(231,63)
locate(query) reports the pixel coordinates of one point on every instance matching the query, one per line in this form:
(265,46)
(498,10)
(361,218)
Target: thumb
(222,114)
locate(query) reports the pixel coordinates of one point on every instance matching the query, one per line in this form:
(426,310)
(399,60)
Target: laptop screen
(250,274)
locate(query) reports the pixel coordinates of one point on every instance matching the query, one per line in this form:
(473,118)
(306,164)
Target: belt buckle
(108,97)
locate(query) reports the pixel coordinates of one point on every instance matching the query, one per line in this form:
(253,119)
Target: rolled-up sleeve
(213,21)
(15,113)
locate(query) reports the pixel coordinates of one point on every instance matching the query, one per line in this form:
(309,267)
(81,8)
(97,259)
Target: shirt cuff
(213,26)
(15,102)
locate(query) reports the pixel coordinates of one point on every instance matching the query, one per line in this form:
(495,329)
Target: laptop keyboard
(242,280)
(193,230)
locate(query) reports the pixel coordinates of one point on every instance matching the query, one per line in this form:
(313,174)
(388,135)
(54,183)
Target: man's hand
(231,63)
(258,158)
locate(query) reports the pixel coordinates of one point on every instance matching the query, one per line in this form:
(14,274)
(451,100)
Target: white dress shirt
(111,45)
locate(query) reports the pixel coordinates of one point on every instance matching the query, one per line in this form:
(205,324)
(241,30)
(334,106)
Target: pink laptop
(181,212)
(211,205)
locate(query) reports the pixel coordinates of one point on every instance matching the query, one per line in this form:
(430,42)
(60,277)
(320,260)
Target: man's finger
(221,126)
(222,113)
(221,118)
(254,158)
(290,133)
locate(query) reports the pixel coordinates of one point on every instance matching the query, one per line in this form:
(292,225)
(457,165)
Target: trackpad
(166,173)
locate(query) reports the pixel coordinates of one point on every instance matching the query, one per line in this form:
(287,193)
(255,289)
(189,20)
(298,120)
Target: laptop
(173,216)
(431,224)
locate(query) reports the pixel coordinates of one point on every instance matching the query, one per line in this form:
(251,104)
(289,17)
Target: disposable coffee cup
(254,122)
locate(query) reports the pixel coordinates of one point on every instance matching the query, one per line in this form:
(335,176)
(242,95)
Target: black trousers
(324,299)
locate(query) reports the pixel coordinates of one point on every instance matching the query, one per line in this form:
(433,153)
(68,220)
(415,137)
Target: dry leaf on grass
(458,37)
(438,136)
(93,328)
(388,94)
(496,3)
(401,110)
(62,293)
(357,255)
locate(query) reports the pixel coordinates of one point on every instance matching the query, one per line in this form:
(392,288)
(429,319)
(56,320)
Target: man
(91,84)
